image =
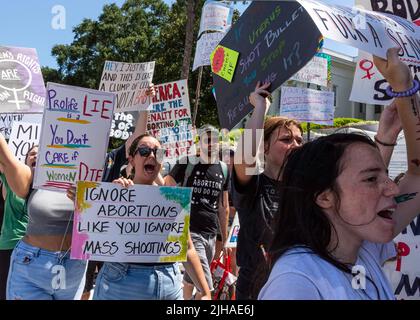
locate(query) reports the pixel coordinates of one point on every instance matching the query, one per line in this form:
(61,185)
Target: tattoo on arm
(405,197)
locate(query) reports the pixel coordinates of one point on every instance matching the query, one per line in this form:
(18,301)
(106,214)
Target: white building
(342,74)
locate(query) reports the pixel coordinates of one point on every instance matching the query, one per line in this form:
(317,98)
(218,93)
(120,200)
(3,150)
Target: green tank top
(15,218)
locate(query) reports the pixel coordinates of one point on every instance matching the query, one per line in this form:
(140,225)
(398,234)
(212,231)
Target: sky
(28,23)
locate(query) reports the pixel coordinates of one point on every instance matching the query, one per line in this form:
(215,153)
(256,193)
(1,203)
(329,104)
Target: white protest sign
(215,16)
(74,137)
(372,32)
(138,224)
(7,120)
(315,71)
(170,119)
(22,87)
(129,81)
(369,86)
(404,272)
(307,105)
(23,137)
(233,233)
(407,9)
(205,46)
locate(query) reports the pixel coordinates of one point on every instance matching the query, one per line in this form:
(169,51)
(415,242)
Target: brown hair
(272,123)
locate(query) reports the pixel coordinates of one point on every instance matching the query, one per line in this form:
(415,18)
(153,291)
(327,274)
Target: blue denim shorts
(124,281)
(38,274)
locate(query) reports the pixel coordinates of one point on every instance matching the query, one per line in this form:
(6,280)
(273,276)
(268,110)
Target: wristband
(384,143)
(408,93)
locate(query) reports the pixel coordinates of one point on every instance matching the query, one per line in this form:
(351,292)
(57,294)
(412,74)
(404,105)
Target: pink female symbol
(366,65)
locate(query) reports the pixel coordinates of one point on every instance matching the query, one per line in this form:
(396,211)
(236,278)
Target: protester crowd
(310,213)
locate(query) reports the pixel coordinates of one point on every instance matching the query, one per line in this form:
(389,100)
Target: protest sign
(407,9)
(223,62)
(404,272)
(307,105)
(216,16)
(369,86)
(137,224)
(205,46)
(170,118)
(129,81)
(274,40)
(23,137)
(123,124)
(7,120)
(375,33)
(22,87)
(316,71)
(74,136)
(233,233)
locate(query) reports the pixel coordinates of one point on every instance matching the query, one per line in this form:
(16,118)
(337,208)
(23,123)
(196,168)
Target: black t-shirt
(114,161)
(256,203)
(207,181)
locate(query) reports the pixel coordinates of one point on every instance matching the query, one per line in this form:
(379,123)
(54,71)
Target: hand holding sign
(258,97)
(395,71)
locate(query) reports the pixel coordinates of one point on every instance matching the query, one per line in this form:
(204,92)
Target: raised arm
(399,77)
(254,125)
(388,131)
(18,175)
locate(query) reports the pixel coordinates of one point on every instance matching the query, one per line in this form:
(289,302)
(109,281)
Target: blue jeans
(123,281)
(38,274)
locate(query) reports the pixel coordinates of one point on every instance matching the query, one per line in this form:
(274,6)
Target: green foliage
(338,123)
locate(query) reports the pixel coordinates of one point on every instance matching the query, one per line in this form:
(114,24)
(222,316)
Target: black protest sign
(275,39)
(123,124)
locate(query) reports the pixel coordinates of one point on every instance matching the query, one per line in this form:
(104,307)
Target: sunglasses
(147,151)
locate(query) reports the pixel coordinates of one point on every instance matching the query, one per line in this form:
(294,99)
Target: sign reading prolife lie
(274,40)
(129,81)
(170,118)
(74,137)
(22,87)
(141,223)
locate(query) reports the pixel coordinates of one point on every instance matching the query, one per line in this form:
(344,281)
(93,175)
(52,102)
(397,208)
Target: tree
(139,31)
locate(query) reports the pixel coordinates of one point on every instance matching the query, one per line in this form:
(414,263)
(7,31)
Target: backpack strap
(224,169)
(188,171)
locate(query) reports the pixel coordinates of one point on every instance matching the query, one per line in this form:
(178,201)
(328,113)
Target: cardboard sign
(24,136)
(170,119)
(223,62)
(205,46)
(369,86)
(233,233)
(123,124)
(22,87)
(216,16)
(129,81)
(74,137)
(316,71)
(307,105)
(369,31)
(139,224)
(274,40)
(7,120)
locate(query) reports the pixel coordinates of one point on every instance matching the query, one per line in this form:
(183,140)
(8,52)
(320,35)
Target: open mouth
(387,213)
(149,168)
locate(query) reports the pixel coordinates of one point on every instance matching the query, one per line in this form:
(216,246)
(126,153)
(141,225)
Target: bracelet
(408,93)
(383,143)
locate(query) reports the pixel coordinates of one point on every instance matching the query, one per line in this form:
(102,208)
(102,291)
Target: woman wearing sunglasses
(146,281)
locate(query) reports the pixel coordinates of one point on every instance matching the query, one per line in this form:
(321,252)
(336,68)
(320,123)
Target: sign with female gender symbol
(22,88)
